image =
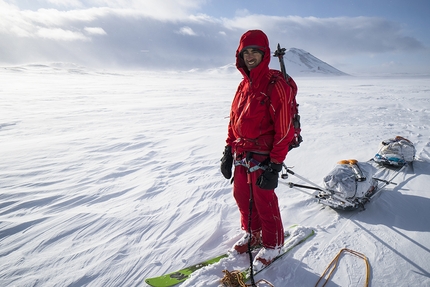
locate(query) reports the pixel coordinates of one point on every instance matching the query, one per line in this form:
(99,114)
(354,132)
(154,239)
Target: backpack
(294,109)
(395,152)
(351,179)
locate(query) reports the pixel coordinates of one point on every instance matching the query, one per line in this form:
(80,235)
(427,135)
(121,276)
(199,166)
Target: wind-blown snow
(109,178)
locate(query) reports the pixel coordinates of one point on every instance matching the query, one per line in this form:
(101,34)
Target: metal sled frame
(330,198)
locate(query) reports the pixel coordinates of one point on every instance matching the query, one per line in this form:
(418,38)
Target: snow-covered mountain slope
(110,178)
(300,62)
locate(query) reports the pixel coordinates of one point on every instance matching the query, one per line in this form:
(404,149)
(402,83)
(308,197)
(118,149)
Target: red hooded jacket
(260,122)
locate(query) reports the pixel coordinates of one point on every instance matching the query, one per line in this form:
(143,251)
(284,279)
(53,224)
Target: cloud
(95,30)
(66,3)
(165,10)
(343,35)
(187,31)
(131,29)
(61,35)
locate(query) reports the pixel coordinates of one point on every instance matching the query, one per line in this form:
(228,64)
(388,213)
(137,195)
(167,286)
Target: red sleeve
(231,138)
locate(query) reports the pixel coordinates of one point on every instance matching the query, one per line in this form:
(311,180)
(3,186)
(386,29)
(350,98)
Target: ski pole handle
(279,53)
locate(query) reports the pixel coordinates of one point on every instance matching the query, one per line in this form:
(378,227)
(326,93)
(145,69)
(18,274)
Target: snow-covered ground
(109,178)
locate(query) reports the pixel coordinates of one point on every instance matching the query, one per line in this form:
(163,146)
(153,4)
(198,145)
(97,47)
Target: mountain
(300,62)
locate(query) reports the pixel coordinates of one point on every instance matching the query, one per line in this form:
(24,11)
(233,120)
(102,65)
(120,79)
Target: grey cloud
(340,35)
(124,37)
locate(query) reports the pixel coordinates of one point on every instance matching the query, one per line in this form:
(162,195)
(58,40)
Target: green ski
(171,279)
(179,276)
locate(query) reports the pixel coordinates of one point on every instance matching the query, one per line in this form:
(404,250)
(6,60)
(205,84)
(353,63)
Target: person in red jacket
(259,133)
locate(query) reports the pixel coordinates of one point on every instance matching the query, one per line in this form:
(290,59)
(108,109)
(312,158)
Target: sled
(352,184)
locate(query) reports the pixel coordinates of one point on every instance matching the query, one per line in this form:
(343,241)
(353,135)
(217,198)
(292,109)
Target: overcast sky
(354,36)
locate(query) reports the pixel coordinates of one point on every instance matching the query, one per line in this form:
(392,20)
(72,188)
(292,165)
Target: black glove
(227,162)
(269,178)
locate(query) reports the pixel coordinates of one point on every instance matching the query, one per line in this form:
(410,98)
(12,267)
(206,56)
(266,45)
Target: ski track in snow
(109,178)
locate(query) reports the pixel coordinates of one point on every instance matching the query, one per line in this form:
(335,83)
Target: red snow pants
(265,215)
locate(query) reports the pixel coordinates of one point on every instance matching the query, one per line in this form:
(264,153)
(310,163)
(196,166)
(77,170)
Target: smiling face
(252,58)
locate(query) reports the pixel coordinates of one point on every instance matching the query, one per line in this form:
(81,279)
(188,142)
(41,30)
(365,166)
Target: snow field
(110,178)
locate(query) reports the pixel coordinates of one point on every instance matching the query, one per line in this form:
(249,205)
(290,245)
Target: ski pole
(280,52)
(387,182)
(317,186)
(251,203)
(384,181)
(291,185)
(302,178)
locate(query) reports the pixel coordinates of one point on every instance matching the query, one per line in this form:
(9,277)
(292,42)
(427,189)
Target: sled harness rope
(237,279)
(333,264)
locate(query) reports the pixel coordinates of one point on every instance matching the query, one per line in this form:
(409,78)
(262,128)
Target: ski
(298,235)
(171,279)
(180,276)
